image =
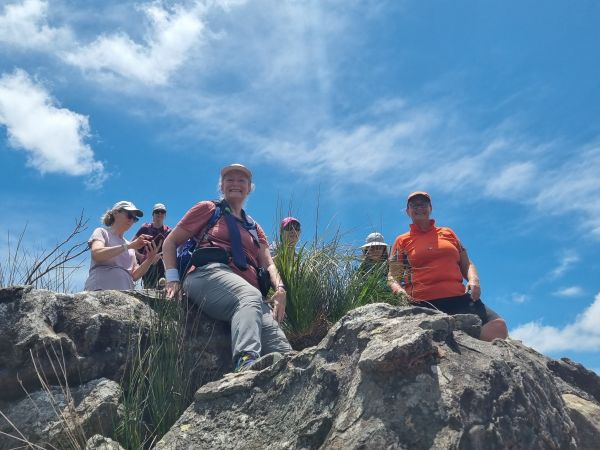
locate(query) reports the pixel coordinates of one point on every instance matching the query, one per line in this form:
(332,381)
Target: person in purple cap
(289,232)
(159,232)
(113,264)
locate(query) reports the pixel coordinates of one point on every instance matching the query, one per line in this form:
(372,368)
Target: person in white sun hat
(113,264)
(375,255)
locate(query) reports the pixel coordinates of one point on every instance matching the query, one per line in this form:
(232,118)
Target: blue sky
(490,106)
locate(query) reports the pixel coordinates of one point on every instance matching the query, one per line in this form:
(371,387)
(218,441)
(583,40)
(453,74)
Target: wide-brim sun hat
(374,239)
(239,167)
(127,206)
(159,207)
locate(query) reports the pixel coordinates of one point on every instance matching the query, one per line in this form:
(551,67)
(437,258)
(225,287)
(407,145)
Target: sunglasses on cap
(130,215)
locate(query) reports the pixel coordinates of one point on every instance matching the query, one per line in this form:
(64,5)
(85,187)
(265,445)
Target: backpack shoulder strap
(217,213)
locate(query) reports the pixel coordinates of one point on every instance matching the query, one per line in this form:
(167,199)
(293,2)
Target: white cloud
(567,260)
(52,137)
(581,335)
(170,36)
(571,291)
(348,153)
(520,298)
(24,24)
(573,188)
(512,181)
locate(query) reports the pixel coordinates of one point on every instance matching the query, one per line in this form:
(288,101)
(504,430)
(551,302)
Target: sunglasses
(130,215)
(160,211)
(418,204)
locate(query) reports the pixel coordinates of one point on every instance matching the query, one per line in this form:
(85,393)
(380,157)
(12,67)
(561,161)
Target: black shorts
(463,304)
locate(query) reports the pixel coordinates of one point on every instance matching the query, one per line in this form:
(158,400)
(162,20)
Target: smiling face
(235,186)
(419,208)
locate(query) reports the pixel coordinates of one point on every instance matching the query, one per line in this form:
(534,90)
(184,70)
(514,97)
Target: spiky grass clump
(323,283)
(157,386)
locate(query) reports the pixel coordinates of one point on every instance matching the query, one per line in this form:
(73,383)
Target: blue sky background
(492,107)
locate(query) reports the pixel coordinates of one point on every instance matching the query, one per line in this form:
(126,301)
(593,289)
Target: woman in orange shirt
(428,264)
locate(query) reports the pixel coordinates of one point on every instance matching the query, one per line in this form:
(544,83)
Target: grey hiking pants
(224,295)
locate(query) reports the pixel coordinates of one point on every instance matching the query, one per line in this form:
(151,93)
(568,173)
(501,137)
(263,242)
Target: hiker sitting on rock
(222,278)
(113,264)
(428,264)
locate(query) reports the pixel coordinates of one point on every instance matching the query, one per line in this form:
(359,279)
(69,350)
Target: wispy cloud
(583,334)
(24,25)
(571,291)
(53,137)
(520,298)
(170,35)
(566,261)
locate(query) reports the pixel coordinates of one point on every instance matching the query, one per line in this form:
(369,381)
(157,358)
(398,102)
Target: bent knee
(495,329)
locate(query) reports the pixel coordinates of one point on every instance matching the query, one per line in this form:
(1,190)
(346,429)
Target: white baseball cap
(127,206)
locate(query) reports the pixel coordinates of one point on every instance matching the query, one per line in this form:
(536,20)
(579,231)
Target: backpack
(185,250)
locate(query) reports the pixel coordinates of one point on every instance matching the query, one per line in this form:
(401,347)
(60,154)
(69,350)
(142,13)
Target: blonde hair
(108,218)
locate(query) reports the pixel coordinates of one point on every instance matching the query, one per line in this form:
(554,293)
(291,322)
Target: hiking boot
(244,360)
(251,361)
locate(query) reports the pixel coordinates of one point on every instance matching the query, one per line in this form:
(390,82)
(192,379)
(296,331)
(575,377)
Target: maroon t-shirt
(158,234)
(195,221)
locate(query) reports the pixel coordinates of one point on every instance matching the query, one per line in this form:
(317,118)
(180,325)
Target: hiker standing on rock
(158,231)
(428,264)
(223,275)
(113,264)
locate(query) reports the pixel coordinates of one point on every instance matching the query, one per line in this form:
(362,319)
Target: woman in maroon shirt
(226,287)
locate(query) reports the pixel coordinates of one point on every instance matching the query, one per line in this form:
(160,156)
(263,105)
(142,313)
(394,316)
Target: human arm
(102,253)
(396,272)
(152,256)
(279,298)
(469,272)
(176,237)
(396,288)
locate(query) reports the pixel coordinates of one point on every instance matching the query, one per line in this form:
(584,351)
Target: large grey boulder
(60,416)
(91,335)
(394,377)
(72,339)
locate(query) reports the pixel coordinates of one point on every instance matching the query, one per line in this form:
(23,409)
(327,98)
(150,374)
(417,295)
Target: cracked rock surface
(402,378)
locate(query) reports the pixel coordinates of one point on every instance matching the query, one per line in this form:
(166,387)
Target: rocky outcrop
(74,339)
(387,377)
(383,377)
(92,335)
(60,415)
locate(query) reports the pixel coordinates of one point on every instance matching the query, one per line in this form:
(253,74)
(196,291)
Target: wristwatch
(281,286)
